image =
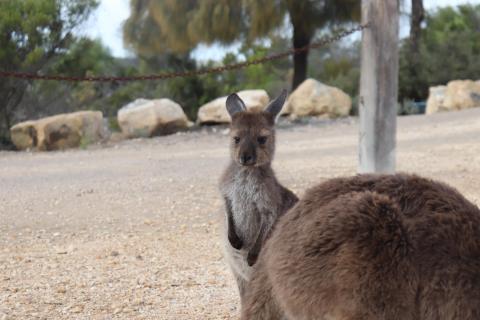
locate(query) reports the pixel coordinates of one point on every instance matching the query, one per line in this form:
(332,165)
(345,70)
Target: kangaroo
(254,199)
(391,247)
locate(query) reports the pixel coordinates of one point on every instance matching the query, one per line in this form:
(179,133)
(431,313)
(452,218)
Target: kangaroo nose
(247,159)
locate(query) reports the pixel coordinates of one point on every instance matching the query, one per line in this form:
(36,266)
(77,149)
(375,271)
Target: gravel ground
(131,230)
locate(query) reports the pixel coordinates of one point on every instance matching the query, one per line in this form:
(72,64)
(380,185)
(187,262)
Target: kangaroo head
(252,133)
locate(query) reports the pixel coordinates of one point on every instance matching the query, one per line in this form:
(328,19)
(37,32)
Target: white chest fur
(251,202)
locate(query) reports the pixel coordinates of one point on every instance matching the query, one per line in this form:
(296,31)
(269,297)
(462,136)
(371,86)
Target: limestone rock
(436,96)
(147,118)
(215,111)
(456,95)
(69,130)
(313,98)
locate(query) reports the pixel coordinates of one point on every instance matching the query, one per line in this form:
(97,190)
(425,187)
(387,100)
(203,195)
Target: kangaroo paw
(235,242)
(252,258)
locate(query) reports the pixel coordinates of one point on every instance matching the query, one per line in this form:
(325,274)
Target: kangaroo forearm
(257,246)
(235,241)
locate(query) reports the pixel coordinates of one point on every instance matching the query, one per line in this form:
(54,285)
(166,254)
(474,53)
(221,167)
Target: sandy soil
(130,231)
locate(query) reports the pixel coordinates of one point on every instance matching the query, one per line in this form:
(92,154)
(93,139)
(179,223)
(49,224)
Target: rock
(436,96)
(61,251)
(215,111)
(456,95)
(61,289)
(69,130)
(313,98)
(77,309)
(147,118)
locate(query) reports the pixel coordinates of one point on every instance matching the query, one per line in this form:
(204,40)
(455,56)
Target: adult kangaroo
(254,199)
(390,247)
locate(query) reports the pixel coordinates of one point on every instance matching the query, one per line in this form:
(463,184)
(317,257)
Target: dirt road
(130,231)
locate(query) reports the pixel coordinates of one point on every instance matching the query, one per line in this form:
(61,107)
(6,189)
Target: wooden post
(378,86)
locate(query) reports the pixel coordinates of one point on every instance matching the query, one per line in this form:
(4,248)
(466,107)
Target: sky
(106,24)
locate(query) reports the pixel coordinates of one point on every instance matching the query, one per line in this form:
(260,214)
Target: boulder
(215,111)
(147,118)
(69,130)
(456,95)
(436,96)
(313,98)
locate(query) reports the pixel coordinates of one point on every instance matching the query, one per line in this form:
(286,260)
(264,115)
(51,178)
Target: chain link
(182,74)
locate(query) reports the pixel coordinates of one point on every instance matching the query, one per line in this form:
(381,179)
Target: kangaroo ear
(235,104)
(276,105)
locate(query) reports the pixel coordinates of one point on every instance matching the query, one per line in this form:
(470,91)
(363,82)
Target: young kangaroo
(390,247)
(254,199)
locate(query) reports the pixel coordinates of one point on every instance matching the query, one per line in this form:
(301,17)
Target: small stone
(61,251)
(61,290)
(77,309)
(114,253)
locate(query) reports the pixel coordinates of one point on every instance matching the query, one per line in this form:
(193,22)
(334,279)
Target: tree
(33,33)
(418,14)
(449,48)
(84,57)
(170,26)
(416,19)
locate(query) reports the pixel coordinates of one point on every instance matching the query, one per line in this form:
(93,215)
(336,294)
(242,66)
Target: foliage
(192,92)
(34,32)
(338,66)
(84,57)
(409,107)
(178,26)
(449,48)
(43,42)
(169,26)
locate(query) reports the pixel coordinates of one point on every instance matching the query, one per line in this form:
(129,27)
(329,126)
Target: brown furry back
(371,247)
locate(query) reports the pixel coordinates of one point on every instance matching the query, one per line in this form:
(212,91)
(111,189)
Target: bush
(449,49)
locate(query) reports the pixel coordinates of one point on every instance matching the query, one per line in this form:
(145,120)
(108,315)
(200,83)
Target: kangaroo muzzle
(247,159)
(247,154)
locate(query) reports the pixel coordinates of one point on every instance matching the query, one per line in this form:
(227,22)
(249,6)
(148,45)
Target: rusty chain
(162,76)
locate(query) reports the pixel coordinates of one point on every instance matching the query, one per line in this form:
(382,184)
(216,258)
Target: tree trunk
(11,101)
(418,15)
(415,65)
(300,60)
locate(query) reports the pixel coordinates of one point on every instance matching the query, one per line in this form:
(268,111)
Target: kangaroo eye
(236,139)
(262,140)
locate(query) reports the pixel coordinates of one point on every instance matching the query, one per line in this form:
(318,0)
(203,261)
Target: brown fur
(371,247)
(254,198)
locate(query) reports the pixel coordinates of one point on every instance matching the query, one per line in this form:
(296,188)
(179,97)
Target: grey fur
(276,105)
(235,104)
